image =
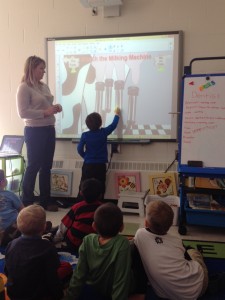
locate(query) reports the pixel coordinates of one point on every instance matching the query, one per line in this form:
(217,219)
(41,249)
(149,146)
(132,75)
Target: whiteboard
(202,136)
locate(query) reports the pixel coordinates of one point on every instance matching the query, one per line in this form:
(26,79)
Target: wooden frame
(61,182)
(127,181)
(163,184)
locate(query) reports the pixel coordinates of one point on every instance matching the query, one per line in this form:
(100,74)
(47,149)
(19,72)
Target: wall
(25,24)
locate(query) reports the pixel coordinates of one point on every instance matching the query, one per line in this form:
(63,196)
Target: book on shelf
(199,201)
(204,201)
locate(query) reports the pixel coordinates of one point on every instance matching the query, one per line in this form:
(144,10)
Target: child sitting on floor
(104,266)
(32,264)
(10,205)
(163,255)
(77,223)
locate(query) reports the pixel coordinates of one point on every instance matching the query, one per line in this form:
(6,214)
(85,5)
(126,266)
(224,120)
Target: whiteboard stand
(201,138)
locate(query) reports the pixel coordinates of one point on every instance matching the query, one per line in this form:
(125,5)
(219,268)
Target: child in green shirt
(104,264)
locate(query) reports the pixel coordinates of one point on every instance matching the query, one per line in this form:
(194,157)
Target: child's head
(31,220)
(91,189)
(159,217)
(108,220)
(3,181)
(94,121)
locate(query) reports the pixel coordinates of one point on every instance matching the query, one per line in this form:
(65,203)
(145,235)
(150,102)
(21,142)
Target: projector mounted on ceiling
(111,8)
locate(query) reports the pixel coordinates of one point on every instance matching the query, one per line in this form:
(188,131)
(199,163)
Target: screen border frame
(179,33)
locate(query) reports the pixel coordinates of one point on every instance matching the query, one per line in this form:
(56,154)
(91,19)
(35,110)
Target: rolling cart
(202,147)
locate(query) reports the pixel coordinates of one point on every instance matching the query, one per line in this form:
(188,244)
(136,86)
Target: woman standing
(35,106)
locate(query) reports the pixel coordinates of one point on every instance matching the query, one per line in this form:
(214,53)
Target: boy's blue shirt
(93,144)
(10,205)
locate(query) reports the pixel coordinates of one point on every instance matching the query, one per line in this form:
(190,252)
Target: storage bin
(173,201)
(132,202)
(14,169)
(206,217)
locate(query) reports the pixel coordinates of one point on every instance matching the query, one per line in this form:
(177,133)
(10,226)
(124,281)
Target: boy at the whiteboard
(93,148)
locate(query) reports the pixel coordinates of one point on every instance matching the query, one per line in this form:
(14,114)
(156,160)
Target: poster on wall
(163,184)
(127,181)
(61,182)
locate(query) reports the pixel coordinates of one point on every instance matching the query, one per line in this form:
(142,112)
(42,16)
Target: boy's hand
(117,111)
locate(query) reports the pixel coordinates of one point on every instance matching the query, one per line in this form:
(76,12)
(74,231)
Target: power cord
(114,149)
(175,159)
(110,160)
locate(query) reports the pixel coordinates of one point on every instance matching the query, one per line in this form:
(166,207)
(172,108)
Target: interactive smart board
(140,73)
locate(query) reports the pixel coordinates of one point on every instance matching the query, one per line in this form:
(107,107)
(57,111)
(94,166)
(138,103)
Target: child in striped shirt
(77,223)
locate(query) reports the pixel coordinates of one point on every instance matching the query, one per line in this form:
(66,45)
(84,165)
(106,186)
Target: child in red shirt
(77,223)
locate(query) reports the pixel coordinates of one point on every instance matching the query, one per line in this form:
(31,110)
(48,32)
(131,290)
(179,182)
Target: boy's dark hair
(91,189)
(94,121)
(108,219)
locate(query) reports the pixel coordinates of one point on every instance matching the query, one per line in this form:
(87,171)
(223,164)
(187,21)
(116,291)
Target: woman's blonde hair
(31,63)
(31,220)
(159,215)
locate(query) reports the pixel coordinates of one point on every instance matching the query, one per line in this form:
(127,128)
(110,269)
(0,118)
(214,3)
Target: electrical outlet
(115,148)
